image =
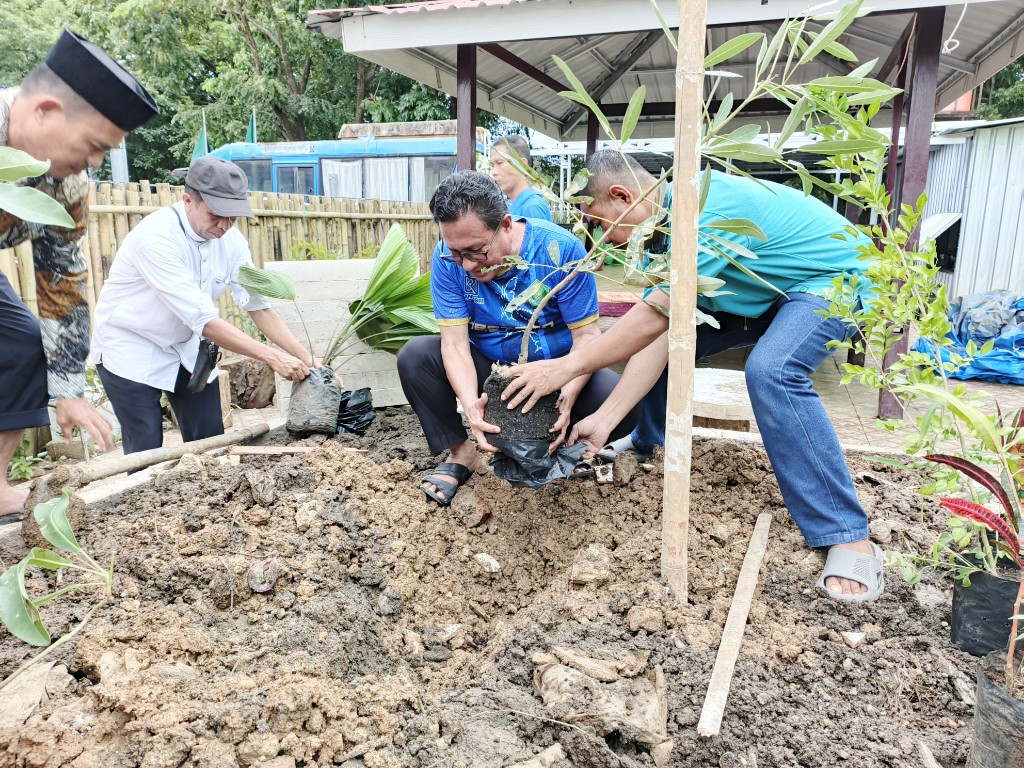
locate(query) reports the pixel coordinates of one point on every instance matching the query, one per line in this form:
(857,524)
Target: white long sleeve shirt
(160,294)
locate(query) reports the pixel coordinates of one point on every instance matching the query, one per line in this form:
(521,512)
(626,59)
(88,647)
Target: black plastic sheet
(527,463)
(355,412)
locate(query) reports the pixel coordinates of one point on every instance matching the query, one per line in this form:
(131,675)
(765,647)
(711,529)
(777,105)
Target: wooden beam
(466,94)
(892,163)
(732,636)
(898,55)
(637,47)
(665,108)
(593,128)
(927,40)
(505,55)
(682,328)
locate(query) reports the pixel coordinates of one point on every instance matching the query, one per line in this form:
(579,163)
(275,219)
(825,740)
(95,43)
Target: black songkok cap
(107,86)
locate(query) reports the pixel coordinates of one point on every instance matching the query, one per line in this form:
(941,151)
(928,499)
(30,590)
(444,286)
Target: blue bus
(382,161)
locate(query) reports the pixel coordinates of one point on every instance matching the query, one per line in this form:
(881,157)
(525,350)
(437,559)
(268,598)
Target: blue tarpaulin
(982,317)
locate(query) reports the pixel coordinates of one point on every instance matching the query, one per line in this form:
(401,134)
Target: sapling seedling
(19,612)
(1003,438)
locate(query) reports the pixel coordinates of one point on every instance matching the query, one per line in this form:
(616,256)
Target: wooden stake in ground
(682,330)
(732,636)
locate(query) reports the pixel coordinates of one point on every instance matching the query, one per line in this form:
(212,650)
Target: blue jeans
(789,345)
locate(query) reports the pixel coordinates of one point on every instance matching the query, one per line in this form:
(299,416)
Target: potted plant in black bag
(395,307)
(999,713)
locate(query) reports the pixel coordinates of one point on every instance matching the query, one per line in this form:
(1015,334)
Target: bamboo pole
(104,230)
(9,268)
(96,271)
(27,276)
(133,199)
(682,331)
(118,197)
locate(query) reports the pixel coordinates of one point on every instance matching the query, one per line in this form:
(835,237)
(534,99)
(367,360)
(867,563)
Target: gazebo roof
(613,46)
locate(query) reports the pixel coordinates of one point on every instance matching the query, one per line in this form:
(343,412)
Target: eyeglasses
(477,257)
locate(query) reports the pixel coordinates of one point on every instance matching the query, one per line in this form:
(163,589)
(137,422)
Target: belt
(493,328)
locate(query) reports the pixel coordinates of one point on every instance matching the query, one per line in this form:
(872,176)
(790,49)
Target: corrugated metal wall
(948,165)
(991,252)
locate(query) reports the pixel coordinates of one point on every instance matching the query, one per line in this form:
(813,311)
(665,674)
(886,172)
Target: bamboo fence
(278,232)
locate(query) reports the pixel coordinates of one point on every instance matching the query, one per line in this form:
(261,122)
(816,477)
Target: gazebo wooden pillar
(465,127)
(927,42)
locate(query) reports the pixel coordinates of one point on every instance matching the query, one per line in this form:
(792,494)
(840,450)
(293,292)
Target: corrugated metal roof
(937,223)
(615,46)
(428,5)
(974,125)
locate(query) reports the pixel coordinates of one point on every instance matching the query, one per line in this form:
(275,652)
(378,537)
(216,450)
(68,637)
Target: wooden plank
(270,450)
(682,333)
(732,636)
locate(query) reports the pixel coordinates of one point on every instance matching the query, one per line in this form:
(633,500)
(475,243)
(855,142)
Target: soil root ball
(514,424)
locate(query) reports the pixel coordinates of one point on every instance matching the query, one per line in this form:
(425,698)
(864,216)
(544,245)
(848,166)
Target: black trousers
(431,396)
(137,407)
(23,390)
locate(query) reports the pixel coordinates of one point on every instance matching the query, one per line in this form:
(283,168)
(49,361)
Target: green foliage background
(224,56)
(1003,96)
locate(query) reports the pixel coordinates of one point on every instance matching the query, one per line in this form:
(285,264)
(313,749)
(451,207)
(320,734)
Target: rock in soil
(383,642)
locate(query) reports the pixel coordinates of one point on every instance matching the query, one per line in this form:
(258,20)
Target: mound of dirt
(398,634)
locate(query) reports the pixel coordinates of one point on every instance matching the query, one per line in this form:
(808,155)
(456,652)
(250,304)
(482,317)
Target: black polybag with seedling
(524,459)
(315,403)
(394,308)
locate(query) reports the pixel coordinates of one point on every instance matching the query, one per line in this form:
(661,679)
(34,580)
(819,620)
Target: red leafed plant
(1005,523)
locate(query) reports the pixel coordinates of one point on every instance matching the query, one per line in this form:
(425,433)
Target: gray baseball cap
(223,185)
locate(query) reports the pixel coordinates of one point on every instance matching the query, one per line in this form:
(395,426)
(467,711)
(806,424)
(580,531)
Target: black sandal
(461,474)
(583,470)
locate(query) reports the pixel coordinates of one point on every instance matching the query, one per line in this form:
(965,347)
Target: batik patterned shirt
(61,272)
(498,310)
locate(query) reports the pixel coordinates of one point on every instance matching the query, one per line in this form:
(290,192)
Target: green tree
(225,57)
(30,29)
(1004,93)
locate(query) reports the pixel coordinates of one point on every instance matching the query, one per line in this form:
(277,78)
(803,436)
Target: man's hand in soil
(82,414)
(530,382)
(560,426)
(288,366)
(480,428)
(566,400)
(593,431)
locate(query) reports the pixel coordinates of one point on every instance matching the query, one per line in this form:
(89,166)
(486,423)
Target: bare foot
(12,500)
(848,586)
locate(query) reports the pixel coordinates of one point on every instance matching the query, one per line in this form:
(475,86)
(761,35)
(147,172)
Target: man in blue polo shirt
(523,201)
(783,316)
(489,273)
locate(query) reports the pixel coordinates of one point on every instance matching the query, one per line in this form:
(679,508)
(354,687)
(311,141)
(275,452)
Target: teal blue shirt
(530,203)
(799,253)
